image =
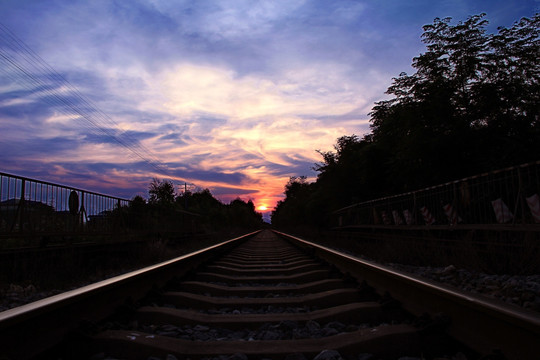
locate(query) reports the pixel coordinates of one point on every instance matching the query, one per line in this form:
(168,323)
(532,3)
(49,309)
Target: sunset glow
(262,208)
(236,96)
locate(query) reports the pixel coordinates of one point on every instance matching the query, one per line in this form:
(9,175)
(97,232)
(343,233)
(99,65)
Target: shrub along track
(269,299)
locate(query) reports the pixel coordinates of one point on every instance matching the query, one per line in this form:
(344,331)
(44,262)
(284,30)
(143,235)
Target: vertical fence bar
(21,208)
(30,206)
(484,199)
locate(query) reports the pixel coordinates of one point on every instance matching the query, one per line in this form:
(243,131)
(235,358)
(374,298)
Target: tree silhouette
(166,212)
(472,105)
(161,192)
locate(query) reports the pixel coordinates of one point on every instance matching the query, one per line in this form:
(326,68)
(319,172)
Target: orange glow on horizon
(262,207)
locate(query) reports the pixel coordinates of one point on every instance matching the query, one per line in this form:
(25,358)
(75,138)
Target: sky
(234,96)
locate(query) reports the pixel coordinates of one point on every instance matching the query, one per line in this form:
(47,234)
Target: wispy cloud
(234,96)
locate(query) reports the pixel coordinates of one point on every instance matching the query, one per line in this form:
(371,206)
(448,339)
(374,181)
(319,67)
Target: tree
(296,187)
(166,214)
(472,105)
(161,192)
(243,214)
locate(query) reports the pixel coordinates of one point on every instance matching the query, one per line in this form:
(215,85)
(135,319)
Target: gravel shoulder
(520,290)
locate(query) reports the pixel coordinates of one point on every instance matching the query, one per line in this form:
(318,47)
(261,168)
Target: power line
(14,53)
(35,60)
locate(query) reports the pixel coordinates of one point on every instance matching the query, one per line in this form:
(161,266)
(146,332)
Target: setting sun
(262,207)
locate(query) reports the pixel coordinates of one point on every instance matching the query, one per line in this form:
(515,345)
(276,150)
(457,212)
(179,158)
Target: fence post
(20,207)
(82,212)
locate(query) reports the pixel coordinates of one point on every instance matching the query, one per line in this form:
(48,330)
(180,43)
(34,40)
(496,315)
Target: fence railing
(507,196)
(34,207)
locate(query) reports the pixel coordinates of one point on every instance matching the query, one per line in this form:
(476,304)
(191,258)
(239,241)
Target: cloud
(222,19)
(213,176)
(193,89)
(252,126)
(235,96)
(232,192)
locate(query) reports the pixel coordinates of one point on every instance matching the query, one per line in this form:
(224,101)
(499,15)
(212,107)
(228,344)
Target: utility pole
(185,195)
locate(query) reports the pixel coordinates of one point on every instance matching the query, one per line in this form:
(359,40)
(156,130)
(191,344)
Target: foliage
(471,106)
(168,212)
(161,192)
(297,192)
(241,214)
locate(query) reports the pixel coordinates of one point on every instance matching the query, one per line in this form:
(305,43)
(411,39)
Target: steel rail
(203,323)
(31,329)
(481,323)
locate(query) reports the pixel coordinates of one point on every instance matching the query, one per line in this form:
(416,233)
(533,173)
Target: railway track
(269,295)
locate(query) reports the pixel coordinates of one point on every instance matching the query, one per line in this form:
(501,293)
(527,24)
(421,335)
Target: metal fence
(508,196)
(33,207)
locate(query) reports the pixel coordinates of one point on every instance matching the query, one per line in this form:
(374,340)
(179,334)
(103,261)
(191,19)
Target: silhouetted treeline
(471,106)
(188,212)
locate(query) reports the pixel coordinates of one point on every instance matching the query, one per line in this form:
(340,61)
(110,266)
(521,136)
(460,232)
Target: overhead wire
(97,121)
(53,97)
(35,60)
